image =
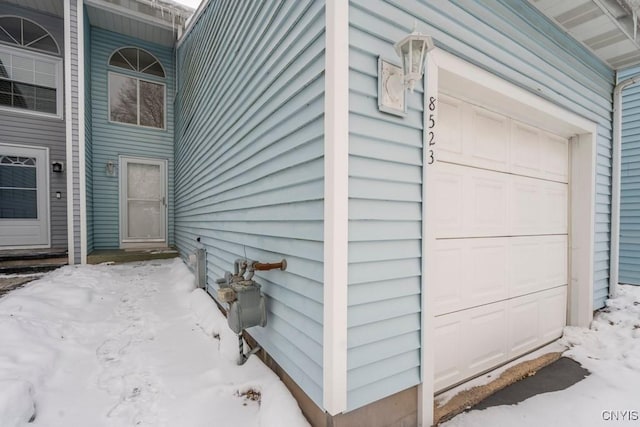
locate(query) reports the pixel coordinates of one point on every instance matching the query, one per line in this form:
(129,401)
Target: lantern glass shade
(413,50)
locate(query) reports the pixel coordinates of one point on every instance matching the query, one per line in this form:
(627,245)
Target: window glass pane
(47,44)
(145,59)
(4,37)
(45,93)
(117,60)
(15,176)
(5,86)
(131,55)
(21,75)
(25,90)
(5,99)
(45,80)
(123,99)
(13,26)
(45,106)
(44,67)
(31,32)
(18,204)
(155,69)
(5,64)
(151,104)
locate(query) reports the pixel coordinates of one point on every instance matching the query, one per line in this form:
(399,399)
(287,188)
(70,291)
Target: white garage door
(501,195)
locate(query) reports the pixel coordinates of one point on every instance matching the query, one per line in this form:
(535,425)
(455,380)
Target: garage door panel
(524,325)
(537,207)
(474,136)
(486,338)
(473,272)
(489,139)
(537,263)
(450,363)
(556,155)
(470,202)
(469,272)
(526,156)
(472,341)
(449,211)
(450,116)
(553,318)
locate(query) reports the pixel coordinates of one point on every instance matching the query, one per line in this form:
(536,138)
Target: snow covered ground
(128,345)
(609,396)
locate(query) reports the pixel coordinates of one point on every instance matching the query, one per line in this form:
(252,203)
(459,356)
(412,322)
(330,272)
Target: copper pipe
(262,266)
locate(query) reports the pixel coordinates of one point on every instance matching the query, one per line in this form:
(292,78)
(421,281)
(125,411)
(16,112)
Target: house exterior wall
(249,163)
(26,129)
(511,40)
(629,263)
(111,140)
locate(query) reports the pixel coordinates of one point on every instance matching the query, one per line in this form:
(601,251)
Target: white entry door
(501,239)
(143,202)
(24,197)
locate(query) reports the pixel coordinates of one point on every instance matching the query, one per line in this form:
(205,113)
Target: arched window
(29,81)
(25,33)
(133,99)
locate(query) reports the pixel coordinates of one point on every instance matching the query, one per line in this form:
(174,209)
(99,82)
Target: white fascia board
(336,198)
(68,129)
(82,167)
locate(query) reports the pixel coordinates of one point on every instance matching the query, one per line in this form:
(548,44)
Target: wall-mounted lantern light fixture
(110,168)
(57,167)
(413,50)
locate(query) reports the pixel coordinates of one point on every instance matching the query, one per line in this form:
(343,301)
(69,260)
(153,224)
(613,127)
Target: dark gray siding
(249,162)
(27,129)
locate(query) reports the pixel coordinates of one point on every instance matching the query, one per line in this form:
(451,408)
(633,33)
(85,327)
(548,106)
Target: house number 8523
(431,136)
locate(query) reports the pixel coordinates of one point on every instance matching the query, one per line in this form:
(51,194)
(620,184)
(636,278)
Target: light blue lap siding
(510,39)
(249,162)
(629,264)
(111,140)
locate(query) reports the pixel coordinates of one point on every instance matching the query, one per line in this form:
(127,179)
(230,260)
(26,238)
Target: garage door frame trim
(444,69)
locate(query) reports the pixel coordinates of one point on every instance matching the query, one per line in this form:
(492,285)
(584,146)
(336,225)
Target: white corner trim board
(336,197)
(81,135)
(69,128)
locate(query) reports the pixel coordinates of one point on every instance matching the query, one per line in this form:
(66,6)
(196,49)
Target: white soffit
(607,27)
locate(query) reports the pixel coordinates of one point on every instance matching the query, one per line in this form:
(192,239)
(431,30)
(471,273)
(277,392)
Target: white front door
(24,197)
(143,202)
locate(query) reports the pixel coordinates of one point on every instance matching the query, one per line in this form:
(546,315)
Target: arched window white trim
(138,60)
(26,33)
(30,76)
(136,97)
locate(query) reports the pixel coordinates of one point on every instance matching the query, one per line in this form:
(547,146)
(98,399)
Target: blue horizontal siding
(512,40)
(629,263)
(249,163)
(111,140)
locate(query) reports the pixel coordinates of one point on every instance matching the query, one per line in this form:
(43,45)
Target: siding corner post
(82,169)
(336,198)
(68,130)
